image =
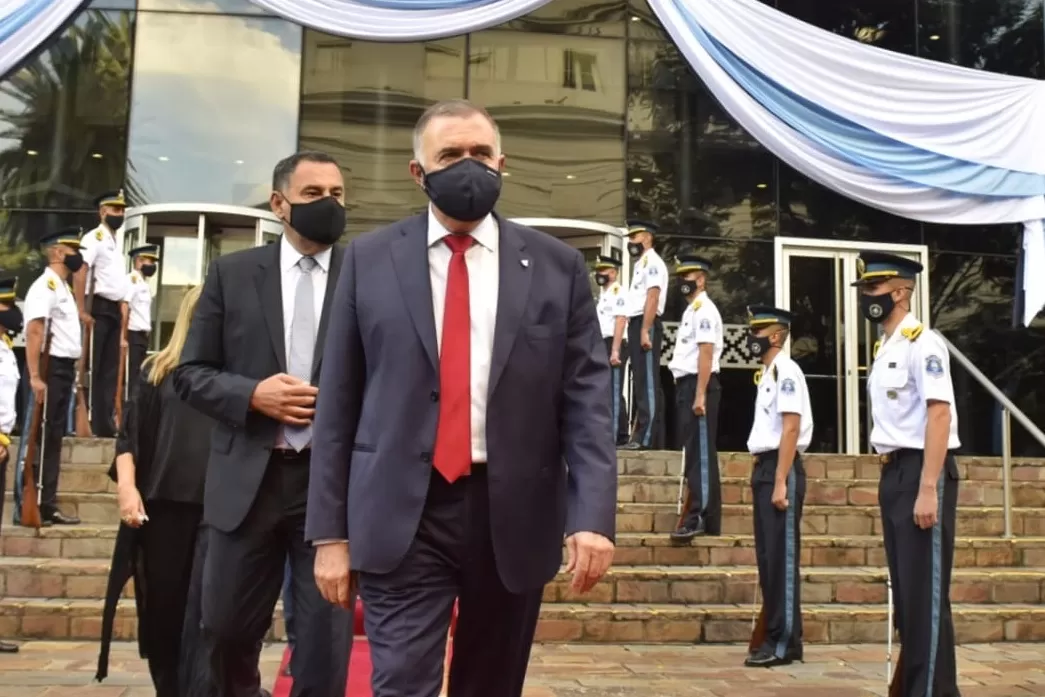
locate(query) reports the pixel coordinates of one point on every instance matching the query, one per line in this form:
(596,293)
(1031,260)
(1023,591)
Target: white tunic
(139,303)
(611,305)
(701,324)
(911,368)
(107,264)
(782,390)
(649,272)
(9,377)
(51,299)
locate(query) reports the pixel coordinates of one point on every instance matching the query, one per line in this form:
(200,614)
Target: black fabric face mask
(114,222)
(322,221)
(634,249)
(73,262)
(467,190)
(148,270)
(602,279)
(875,308)
(687,288)
(757,346)
(11,319)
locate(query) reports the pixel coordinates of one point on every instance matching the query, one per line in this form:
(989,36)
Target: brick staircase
(52,583)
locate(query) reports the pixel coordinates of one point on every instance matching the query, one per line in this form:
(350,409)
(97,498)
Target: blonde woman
(160,468)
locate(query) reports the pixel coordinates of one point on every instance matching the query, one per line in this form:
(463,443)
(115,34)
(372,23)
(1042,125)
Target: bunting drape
(26,24)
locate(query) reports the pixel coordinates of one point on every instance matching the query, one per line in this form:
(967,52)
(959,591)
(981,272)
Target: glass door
(832,343)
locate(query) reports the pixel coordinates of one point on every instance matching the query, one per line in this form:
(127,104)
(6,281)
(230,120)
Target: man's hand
(286,399)
(925,507)
(3,453)
(589,555)
(615,359)
(39,388)
(124,344)
(645,340)
(700,405)
(86,320)
(332,573)
(780,495)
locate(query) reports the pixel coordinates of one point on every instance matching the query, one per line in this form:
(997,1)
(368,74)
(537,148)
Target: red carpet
(358,672)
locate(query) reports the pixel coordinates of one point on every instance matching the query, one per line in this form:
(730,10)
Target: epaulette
(645,262)
(762,371)
(616,288)
(912,333)
(696,305)
(134,278)
(874,351)
(99,235)
(51,285)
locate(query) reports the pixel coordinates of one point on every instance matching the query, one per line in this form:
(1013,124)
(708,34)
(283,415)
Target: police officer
(612,321)
(695,364)
(644,305)
(51,307)
(10,327)
(144,262)
(104,280)
(780,433)
(915,430)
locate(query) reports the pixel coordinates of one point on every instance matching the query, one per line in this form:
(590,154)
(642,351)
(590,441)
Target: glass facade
(195,100)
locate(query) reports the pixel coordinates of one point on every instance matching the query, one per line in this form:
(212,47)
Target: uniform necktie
(302,344)
(453,436)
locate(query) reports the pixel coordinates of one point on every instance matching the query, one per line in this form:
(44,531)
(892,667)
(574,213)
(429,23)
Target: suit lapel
(269,283)
(410,258)
(512,295)
(336,254)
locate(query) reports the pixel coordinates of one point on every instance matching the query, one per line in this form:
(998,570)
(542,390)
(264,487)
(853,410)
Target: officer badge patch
(51,285)
(787,386)
(934,366)
(705,324)
(99,236)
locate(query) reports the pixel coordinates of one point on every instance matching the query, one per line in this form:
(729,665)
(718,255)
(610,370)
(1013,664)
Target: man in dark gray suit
(462,426)
(254,349)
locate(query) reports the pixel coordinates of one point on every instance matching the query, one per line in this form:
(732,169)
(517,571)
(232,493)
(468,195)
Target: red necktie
(453,436)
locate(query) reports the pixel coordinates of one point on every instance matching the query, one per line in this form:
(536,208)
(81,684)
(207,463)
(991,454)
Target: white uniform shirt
(139,303)
(107,264)
(649,272)
(51,299)
(9,376)
(483,280)
(782,390)
(905,375)
(701,324)
(611,305)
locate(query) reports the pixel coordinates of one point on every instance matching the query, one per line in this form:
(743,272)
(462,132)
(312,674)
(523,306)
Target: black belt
(291,454)
(896,455)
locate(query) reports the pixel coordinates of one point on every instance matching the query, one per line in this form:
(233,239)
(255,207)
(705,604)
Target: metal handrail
(1008,410)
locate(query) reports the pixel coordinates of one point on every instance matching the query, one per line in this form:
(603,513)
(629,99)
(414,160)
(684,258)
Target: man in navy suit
(462,426)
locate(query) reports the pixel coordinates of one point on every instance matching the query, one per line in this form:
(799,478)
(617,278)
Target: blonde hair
(162,363)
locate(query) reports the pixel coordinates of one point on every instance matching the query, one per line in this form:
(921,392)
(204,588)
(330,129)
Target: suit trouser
(105,340)
(242,578)
(700,436)
(137,348)
(288,605)
(647,393)
(619,407)
(60,375)
(778,546)
(920,563)
(408,610)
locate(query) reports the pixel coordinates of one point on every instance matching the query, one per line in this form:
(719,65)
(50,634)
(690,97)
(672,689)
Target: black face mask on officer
(875,308)
(114,222)
(11,319)
(148,270)
(73,261)
(602,279)
(688,288)
(757,346)
(635,248)
(321,221)
(467,190)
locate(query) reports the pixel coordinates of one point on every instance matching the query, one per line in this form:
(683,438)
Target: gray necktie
(302,343)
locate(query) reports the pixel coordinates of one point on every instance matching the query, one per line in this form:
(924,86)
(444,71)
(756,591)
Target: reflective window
(236,7)
(360,101)
(887,24)
(977,239)
(63,116)
(559,102)
(20,234)
(112,4)
(1003,36)
(587,17)
(215,106)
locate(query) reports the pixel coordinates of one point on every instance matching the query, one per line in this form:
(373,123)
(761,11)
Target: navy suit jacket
(550,446)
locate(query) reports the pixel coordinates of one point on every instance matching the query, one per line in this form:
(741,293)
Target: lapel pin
(525,263)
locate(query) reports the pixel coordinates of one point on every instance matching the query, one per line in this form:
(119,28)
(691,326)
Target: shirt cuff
(320,543)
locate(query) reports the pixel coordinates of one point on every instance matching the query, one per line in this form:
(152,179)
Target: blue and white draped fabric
(920,139)
(26,24)
(400,20)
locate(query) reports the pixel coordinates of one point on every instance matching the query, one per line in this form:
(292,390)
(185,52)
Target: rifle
(83,412)
(758,632)
(121,376)
(30,512)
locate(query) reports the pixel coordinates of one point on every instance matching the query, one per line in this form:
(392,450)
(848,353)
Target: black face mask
(467,190)
(322,221)
(876,308)
(634,249)
(687,288)
(602,279)
(11,319)
(73,262)
(757,346)
(114,222)
(148,270)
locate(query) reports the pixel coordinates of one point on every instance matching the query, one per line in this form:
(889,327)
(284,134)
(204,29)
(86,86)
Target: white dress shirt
(107,264)
(290,273)
(782,390)
(701,324)
(139,303)
(483,280)
(611,305)
(51,299)
(9,376)
(649,272)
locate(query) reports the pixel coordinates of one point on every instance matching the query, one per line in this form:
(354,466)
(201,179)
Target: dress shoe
(762,659)
(8,647)
(687,532)
(631,446)
(59,518)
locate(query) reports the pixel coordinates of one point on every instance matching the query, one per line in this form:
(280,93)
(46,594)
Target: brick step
(830,520)
(90,508)
(30,618)
(633,488)
(77,479)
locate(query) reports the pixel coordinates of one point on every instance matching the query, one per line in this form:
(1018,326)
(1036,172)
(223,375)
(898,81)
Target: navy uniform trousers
(699,436)
(920,563)
(647,393)
(778,544)
(617,404)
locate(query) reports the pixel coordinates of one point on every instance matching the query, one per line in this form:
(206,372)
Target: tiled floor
(66,669)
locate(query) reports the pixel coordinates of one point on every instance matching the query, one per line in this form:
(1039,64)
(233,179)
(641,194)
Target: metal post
(889,633)
(1006,470)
